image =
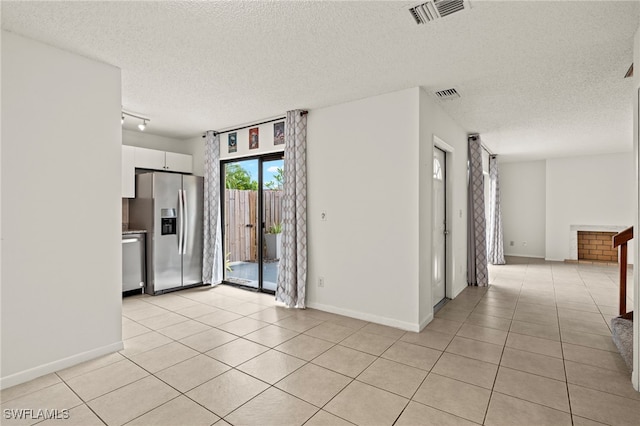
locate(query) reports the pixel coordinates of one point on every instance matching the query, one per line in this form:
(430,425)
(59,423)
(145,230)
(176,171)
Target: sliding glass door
(252,224)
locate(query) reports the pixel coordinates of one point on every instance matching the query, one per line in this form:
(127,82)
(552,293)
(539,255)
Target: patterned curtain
(496,243)
(292,270)
(212,249)
(476,223)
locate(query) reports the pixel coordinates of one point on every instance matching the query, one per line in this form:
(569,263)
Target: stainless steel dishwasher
(133,261)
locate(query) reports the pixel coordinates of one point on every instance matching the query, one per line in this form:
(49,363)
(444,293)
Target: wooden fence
(241,221)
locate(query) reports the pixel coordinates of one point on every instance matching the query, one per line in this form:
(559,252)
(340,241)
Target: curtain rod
(477,135)
(217,132)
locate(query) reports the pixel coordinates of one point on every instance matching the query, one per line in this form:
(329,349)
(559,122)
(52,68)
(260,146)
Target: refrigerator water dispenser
(168,218)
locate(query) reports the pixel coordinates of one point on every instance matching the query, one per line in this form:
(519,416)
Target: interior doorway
(252,220)
(439,226)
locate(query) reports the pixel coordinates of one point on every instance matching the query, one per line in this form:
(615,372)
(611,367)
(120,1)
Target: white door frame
(449,266)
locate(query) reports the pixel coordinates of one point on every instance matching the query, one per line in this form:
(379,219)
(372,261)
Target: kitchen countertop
(134,231)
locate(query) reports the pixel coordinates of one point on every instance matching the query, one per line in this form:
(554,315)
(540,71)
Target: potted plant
(273,239)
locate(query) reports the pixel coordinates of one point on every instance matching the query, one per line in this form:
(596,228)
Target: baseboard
(61,364)
(391,322)
(524,255)
(426,321)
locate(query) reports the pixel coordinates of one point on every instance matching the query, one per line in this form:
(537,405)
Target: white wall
(363,164)
(434,122)
(523,201)
(61,249)
(635,376)
(587,190)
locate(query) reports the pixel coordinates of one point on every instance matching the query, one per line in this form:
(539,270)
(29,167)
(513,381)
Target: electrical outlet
(321,282)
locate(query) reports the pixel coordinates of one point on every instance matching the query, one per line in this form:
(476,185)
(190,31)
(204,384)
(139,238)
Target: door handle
(249,225)
(181,213)
(186,222)
(130,240)
(446,232)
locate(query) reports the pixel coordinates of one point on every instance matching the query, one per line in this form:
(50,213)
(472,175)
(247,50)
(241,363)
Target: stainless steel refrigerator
(170,207)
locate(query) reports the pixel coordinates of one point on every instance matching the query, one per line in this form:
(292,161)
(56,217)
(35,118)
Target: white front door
(439,226)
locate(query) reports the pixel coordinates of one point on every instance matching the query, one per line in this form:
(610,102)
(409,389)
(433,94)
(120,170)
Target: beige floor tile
(304,347)
(132,400)
(143,343)
(218,317)
(271,314)
(362,404)
(173,301)
(533,388)
(443,326)
(428,338)
(505,410)
(494,311)
(299,324)
(132,329)
(314,384)
(452,314)
(147,312)
(536,318)
(58,397)
(383,330)
(601,379)
(273,408)
(489,321)
(31,386)
(413,355)
(579,315)
(323,418)
(106,379)
(242,326)
(421,415)
(207,340)
(245,308)
(373,344)
(193,372)
(475,349)
(594,357)
(542,365)
(529,308)
(585,326)
(393,377)
(271,335)
(178,411)
(236,352)
(344,360)
(227,392)
(331,332)
(272,366)
(184,329)
(544,331)
(595,341)
(465,369)
(78,416)
(353,323)
(446,394)
(197,310)
(163,357)
(604,407)
(584,307)
(534,344)
(581,421)
(484,334)
(163,320)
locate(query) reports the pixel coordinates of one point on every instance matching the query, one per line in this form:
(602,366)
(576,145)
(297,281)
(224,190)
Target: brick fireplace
(596,246)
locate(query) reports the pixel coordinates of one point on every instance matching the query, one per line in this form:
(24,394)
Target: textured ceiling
(537,79)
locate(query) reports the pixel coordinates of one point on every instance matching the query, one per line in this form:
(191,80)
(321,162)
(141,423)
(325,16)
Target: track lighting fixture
(142,125)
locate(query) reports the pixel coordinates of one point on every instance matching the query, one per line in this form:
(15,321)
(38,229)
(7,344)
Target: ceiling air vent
(434,9)
(447,94)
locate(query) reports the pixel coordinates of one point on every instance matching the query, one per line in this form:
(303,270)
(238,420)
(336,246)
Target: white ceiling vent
(435,9)
(447,94)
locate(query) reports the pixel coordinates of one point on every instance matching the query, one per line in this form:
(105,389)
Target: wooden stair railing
(621,239)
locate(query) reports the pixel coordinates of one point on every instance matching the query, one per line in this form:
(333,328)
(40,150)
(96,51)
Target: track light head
(142,125)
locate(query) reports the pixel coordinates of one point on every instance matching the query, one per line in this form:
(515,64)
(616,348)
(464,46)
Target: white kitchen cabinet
(149,159)
(178,162)
(160,160)
(128,172)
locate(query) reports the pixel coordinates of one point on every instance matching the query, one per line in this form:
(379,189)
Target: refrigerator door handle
(185,210)
(181,225)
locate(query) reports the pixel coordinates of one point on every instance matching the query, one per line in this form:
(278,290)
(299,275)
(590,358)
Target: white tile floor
(532,349)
